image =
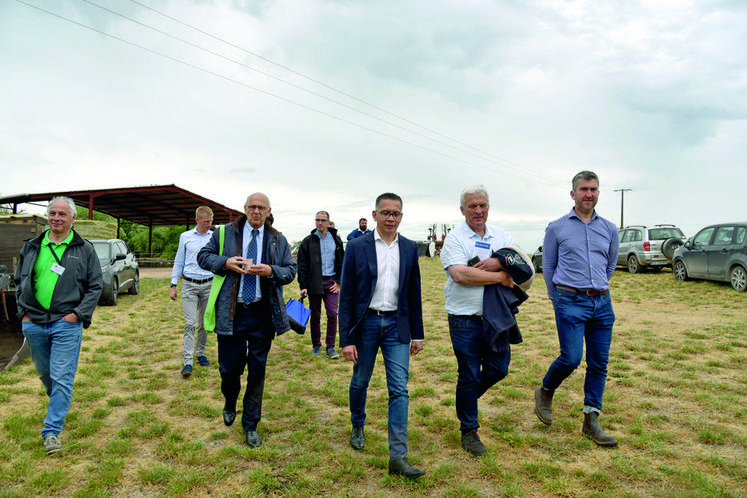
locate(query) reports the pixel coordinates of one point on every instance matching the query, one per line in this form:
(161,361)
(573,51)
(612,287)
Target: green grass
(674,399)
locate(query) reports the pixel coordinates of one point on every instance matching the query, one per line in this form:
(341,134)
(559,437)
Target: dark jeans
(247,347)
(479,366)
(330,306)
(381,333)
(580,317)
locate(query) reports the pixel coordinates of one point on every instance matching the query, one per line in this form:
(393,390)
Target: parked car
(652,247)
(537,260)
(717,252)
(119,268)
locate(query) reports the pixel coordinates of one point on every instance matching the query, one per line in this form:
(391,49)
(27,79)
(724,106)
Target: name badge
(482,250)
(58,269)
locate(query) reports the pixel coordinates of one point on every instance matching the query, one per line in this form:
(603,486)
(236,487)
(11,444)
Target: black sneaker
(332,354)
(203,361)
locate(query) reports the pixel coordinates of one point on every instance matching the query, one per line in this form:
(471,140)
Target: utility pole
(622,203)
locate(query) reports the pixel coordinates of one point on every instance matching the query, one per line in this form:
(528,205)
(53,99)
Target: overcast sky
(326,104)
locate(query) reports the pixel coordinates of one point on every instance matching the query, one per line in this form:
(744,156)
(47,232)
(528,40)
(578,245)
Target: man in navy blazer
(381,307)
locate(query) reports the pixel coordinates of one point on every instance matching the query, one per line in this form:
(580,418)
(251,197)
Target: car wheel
(738,278)
(114,297)
(135,289)
(670,245)
(633,266)
(680,272)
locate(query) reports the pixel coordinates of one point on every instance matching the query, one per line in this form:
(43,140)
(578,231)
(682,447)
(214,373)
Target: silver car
(717,252)
(119,269)
(648,247)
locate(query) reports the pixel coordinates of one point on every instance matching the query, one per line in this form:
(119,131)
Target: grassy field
(675,400)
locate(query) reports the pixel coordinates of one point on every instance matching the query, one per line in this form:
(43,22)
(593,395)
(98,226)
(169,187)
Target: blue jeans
(381,332)
(580,317)
(55,348)
(479,366)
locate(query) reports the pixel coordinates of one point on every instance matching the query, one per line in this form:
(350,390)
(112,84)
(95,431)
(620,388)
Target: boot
(543,404)
(402,467)
(594,431)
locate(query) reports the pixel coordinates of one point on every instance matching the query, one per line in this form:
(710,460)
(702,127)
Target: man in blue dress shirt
(579,258)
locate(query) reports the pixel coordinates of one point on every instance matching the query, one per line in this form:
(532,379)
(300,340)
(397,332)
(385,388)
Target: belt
(588,292)
(250,305)
(382,313)
(196,281)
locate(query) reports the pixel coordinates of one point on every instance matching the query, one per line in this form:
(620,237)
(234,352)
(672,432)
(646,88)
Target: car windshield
(665,233)
(102,251)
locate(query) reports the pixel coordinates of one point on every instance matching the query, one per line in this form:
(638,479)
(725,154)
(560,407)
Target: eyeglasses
(319,221)
(255,207)
(394,214)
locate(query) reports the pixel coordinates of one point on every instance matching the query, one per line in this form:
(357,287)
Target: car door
(696,259)
(128,265)
(720,252)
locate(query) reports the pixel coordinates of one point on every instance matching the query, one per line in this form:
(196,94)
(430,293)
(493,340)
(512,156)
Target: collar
(46,241)
(378,237)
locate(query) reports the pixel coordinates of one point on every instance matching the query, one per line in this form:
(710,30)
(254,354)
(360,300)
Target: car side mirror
(687,245)
(120,257)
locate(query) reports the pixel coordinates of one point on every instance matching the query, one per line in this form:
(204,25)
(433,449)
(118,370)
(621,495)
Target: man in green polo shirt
(59,284)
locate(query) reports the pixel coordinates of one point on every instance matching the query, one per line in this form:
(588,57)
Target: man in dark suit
(380,307)
(256,261)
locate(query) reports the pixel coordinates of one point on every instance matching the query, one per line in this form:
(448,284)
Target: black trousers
(248,348)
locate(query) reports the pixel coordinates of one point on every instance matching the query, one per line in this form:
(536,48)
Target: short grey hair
(471,190)
(325,213)
(68,200)
(584,175)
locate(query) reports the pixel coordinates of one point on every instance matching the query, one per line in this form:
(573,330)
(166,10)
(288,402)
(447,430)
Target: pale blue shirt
(459,247)
(185,261)
(580,255)
(327,248)
(246,237)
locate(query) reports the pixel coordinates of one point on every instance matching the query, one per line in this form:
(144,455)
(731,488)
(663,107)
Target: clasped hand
(242,265)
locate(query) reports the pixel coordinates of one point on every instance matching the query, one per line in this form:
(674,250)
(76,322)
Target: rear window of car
(665,233)
(723,236)
(741,232)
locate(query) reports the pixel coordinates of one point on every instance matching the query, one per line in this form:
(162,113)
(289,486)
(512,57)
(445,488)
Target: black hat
(517,263)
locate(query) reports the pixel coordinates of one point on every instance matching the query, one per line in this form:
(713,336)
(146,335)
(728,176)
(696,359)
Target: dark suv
(717,252)
(652,247)
(119,269)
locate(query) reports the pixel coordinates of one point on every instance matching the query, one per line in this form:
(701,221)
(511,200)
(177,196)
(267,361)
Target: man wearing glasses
(381,308)
(256,262)
(319,266)
(469,268)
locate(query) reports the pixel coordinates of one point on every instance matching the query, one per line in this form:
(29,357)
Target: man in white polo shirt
(469,268)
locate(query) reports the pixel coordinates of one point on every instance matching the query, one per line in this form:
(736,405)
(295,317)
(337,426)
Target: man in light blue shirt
(195,289)
(469,268)
(579,257)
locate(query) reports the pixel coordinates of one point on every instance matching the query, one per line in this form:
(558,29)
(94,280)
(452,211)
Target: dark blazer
(359,275)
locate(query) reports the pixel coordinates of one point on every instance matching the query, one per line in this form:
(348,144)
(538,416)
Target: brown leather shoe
(471,442)
(594,431)
(543,404)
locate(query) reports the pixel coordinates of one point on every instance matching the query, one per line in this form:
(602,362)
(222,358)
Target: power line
(276,78)
(325,85)
(246,85)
